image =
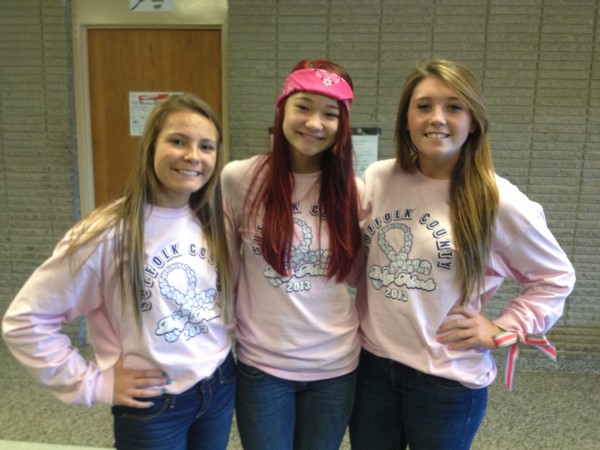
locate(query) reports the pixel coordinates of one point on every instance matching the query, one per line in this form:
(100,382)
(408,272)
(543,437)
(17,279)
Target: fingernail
(164,374)
(163,391)
(169,381)
(151,404)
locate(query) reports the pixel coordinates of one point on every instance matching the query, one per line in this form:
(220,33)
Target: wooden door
(142,60)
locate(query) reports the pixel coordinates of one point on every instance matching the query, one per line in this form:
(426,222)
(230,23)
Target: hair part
(474,195)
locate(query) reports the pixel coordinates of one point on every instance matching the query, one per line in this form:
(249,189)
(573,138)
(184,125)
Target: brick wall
(538,60)
(37,176)
(539,63)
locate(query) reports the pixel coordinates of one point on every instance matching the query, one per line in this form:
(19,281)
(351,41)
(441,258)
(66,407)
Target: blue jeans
(277,414)
(199,418)
(398,406)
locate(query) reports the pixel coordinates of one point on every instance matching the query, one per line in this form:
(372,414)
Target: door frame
(88,14)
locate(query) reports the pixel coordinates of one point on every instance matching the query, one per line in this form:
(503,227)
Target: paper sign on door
(140,106)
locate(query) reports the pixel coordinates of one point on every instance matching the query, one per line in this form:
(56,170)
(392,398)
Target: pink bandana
(317,81)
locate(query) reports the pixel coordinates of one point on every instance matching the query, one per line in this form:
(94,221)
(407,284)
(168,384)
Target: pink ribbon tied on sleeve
(513,340)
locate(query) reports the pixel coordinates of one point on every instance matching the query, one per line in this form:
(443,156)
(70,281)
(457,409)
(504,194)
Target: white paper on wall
(140,106)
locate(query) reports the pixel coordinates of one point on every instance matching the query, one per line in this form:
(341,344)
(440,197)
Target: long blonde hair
(474,195)
(127,214)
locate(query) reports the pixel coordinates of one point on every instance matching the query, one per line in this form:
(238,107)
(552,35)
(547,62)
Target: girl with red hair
(293,214)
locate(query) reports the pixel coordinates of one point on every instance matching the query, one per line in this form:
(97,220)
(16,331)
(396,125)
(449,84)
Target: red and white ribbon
(513,340)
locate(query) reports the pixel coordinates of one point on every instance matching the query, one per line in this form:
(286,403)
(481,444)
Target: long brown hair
(473,192)
(338,196)
(127,214)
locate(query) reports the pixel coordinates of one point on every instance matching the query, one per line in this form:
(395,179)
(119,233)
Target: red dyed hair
(338,196)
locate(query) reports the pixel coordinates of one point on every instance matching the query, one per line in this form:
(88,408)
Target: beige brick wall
(539,63)
(538,60)
(37,176)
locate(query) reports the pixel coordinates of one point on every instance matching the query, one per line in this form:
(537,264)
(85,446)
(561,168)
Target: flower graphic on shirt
(401,271)
(303,260)
(196,308)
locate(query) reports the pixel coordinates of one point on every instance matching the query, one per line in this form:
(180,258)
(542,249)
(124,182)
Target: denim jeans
(398,406)
(277,414)
(199,418)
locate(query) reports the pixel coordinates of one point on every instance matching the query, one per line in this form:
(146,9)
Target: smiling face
(439,122)
(310,125)
(185,157)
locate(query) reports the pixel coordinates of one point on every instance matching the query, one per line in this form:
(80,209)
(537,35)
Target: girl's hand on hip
(465,329)
(132,385)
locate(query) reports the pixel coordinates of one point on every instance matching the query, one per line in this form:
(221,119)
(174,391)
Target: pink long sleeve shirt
(300,327)
(408,286)
(182,331)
